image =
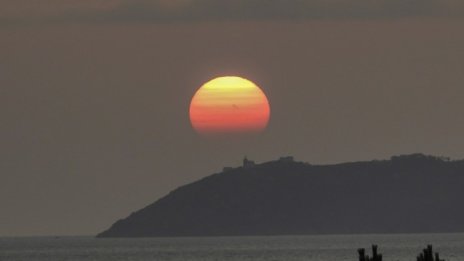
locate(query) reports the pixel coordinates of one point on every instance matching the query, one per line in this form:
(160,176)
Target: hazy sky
(94,95)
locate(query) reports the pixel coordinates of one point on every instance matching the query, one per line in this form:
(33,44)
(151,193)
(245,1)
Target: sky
(94,95)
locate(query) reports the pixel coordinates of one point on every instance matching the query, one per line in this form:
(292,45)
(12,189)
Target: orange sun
(229,104)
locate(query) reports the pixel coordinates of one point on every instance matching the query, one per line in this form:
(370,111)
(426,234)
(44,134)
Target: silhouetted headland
(405,194)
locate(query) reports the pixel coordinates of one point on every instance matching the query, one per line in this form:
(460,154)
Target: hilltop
(405,194)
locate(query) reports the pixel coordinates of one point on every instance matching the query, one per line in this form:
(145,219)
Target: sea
(402,247)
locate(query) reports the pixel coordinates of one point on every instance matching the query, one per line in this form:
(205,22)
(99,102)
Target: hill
(405,194)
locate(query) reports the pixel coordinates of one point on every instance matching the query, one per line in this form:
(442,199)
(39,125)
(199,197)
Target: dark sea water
(288,248)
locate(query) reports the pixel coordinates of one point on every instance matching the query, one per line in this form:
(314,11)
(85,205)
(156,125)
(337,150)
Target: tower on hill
(248,163)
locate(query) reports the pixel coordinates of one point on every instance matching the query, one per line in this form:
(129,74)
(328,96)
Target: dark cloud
(163,11)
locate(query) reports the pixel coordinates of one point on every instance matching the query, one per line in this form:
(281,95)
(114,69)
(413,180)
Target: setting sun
(229,104)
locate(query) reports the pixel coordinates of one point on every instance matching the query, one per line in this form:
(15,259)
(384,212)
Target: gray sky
(94,95)
(29,12)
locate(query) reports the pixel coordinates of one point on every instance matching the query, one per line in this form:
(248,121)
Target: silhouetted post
(375,255)
(362,254)
(427,255)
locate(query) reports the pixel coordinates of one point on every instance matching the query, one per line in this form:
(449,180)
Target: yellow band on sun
(229,104)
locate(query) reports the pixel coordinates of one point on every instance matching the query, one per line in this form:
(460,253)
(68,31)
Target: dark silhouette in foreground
(426,255)
(375,255)
(406,194)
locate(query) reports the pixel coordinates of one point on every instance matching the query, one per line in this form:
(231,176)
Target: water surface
(285,248)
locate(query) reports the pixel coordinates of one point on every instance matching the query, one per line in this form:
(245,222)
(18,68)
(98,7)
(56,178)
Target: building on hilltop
(248,163)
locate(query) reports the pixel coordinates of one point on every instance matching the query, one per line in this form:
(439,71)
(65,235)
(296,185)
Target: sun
(229,104)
